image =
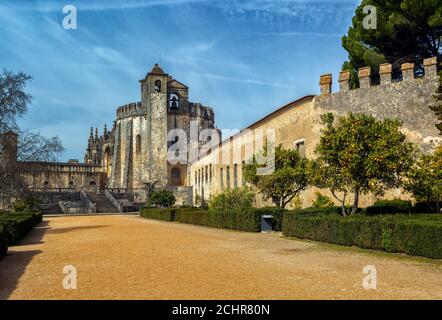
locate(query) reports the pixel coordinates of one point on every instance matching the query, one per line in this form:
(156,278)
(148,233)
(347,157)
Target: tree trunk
(342,201)
(430,206)
(355,202)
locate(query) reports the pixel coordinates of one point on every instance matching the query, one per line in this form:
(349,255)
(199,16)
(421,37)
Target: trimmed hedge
(390,207)
(318,211)
(243,221)
(167,214)
(3,241)
(14,226)
(419,235)
(399,206)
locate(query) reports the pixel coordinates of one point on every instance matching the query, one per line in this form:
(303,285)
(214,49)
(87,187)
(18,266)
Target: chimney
(325,84)
(364,76)
(344,80)
(430,66)
(385,71)
(407,71)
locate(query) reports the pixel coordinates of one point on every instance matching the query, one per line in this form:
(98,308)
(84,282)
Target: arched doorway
(175,177)
(92,186)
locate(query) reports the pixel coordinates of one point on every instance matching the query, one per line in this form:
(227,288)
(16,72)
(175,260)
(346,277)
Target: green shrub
(166,214)
(389,207)
(28,204)
(162,198)
(423,207)
(201,203)
(322,201)
(14,226)
(3,241)
(17,225)
(419,235)
(424,180)
(237,199)
(318,211)
(244,221)
(229,219)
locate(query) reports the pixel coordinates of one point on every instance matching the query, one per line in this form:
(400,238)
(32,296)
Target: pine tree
(406,31)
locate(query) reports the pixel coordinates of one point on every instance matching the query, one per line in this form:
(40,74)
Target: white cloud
(242,80)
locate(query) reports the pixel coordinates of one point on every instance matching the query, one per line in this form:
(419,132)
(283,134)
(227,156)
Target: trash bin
(266,223)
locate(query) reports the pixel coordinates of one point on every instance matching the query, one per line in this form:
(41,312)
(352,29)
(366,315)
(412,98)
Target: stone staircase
(102,203)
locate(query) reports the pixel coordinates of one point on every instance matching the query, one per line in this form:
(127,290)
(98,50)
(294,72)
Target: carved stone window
(158,86)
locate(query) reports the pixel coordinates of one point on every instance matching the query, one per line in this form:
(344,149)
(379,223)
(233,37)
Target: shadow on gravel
(71,229)
(13,266)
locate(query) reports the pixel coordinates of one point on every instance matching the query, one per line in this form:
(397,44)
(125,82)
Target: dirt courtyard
(127,257)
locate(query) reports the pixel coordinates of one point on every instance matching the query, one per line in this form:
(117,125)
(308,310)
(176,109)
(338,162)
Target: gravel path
(127,257)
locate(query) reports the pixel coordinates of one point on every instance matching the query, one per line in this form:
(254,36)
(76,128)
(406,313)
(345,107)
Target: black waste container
(266,223)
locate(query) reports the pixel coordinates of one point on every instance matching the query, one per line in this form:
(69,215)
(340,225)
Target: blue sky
(243,58)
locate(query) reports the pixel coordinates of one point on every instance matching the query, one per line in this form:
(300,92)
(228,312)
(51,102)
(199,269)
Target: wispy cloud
(239,57)
(299,34)
(242,80)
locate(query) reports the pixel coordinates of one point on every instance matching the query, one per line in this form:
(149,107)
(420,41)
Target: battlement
(406,100)
(201,111)
(385,71)
(130,110)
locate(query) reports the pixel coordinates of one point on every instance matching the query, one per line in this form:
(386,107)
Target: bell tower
(154,101)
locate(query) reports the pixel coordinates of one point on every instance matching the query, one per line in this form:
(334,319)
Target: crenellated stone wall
(407,100)
(298,125)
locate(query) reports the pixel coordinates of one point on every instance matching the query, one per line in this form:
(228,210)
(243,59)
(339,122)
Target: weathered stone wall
(407,100)
(214,173)
(141,134)
(46,175)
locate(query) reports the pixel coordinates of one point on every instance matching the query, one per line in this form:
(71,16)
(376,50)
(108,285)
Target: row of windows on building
(205,176)
(71,184)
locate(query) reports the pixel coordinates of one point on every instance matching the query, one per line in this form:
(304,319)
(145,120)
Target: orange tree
(425,180)
(287,180)
(358,154)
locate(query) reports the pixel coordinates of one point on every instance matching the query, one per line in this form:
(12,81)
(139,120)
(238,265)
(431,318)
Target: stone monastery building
(135,150)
